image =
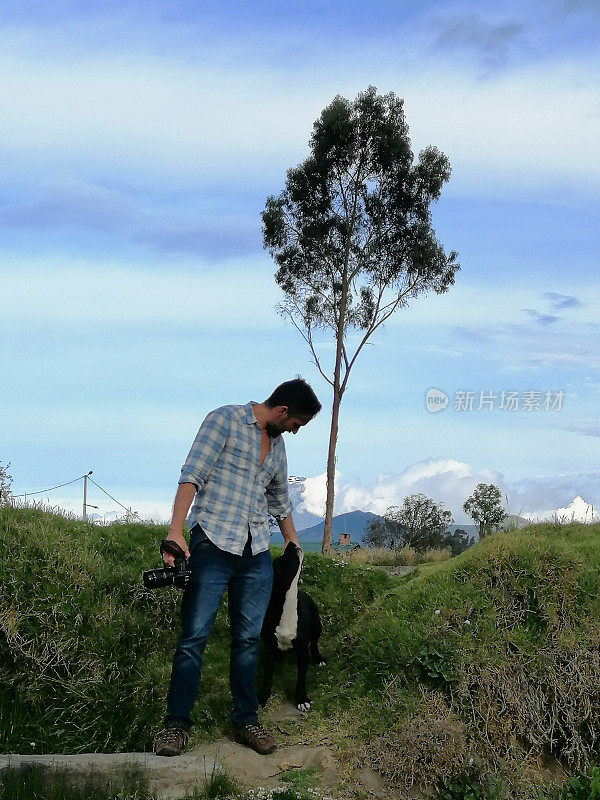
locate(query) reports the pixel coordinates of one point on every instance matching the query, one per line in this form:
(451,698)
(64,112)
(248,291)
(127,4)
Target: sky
(139,142)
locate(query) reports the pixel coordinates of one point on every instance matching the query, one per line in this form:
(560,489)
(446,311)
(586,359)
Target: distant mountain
(310,526)
(514,521)
(578,511)
(303,520)
(468,528)
(354,522)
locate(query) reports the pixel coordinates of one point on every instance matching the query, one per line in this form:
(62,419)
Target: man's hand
(177,537)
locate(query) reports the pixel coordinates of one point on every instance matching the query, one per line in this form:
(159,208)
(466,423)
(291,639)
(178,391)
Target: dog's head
(286,567)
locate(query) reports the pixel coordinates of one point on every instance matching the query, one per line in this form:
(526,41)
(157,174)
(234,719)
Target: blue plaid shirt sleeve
(278,498)
(206,449)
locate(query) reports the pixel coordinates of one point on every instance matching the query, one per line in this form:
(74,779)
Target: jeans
(248,579)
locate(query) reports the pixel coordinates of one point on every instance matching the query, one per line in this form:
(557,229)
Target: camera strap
(172,548)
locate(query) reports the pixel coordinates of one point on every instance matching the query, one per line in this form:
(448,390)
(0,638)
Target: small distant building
(345,545)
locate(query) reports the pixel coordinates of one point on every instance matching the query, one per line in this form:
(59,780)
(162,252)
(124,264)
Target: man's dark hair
(298,396)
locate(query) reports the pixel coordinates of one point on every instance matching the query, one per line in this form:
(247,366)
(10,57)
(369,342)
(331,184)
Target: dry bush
(406,556)
(371,555)
(549,708)
(380,556)
(433,556)
(429,745)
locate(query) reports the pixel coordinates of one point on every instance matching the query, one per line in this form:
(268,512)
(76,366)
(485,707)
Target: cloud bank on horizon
(450,483)
(447,482)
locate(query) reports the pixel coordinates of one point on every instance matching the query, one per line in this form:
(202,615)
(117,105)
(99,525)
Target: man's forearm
(181,506)
(288,531)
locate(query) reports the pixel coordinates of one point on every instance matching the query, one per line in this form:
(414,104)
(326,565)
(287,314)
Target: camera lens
(153,578)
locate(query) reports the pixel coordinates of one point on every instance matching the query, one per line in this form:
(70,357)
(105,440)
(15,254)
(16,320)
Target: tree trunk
(481,530)
(333,434)
(335,413)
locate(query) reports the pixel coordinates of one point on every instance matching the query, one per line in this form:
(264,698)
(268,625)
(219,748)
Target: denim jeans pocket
(198,539)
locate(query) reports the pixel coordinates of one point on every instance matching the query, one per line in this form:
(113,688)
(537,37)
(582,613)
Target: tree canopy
(419,522)
(484,507)
(5,483)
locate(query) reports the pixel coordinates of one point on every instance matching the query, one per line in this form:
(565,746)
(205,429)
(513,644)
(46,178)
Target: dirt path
(398,572)
(174,778)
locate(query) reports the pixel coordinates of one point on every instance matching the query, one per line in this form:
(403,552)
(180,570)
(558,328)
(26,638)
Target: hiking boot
(170,741)
(256,737)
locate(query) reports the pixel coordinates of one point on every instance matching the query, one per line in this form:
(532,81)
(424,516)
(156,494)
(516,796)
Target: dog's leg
(303,701)
(264,690)
(315,632)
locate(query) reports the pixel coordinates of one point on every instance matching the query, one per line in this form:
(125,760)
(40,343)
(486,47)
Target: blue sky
(139,142)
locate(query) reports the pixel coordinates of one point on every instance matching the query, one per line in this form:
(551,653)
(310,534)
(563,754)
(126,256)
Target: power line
(68,483)
(43,491)
(111,497)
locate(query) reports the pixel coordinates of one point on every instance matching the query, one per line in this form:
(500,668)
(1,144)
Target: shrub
(583,787)
(5,484)
(507,633)
(371,555)
(432,744)
(434,556)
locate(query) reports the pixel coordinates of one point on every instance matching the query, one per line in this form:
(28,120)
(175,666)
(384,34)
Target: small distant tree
(5,484)
(484,508)
(422,521)
(425,522)
(386,531)
(352,236)
(458,541)
(375,535)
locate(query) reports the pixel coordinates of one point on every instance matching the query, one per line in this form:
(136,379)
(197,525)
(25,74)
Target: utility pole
(85,477)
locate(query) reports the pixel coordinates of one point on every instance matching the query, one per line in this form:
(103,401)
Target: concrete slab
(174,778)
(168,778)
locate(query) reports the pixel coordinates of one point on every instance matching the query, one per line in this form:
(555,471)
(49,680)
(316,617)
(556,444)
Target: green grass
(301,779)
(85,650)
(493,654)
(32,782)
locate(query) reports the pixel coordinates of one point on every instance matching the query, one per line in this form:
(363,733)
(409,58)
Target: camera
(178,575)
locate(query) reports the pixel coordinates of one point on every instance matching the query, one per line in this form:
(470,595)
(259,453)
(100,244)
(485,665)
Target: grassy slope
(493,653)
(503,642)
(85,651)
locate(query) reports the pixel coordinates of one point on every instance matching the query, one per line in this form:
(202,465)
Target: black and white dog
(292,622)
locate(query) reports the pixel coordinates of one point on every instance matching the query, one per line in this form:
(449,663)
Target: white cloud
(102,509)
(577,511)
(446,481)
(450,482)
(566,345)
(156,116)
(314,494)
(163,118)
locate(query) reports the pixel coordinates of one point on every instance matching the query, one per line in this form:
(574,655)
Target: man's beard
(273,430)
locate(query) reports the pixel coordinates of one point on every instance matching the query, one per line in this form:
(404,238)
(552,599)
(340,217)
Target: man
(236,474)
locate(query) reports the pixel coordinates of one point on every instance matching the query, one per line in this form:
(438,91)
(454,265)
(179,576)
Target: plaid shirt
(233,494)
